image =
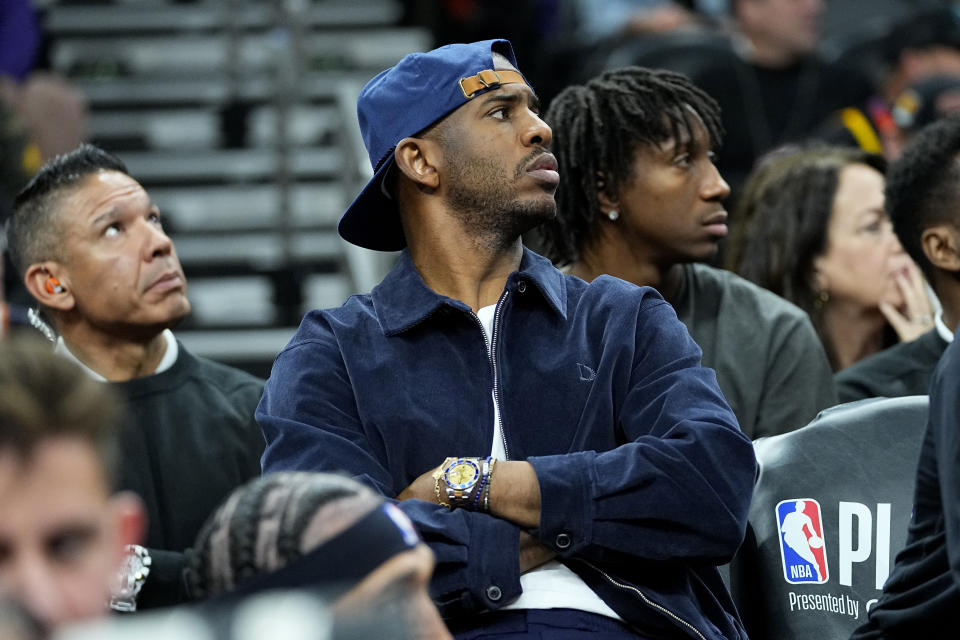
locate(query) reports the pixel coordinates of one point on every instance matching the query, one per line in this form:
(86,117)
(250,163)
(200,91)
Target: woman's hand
(916,316)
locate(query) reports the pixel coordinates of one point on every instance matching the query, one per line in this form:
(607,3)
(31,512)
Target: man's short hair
(260,528)
(32,231)
(597,129)
(43,396)
(923,186)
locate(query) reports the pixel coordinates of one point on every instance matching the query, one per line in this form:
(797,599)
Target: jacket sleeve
(799,382)
(165,585)
(680,486)
(310,422)
(945,425)
(851,386)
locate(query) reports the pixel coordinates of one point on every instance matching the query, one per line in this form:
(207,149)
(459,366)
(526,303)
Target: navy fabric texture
(552,624)
(645,476)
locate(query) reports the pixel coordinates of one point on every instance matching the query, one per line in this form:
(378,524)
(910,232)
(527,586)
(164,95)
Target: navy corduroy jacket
(644,474)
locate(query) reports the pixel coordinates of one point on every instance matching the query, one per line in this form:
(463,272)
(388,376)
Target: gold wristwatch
(461,481)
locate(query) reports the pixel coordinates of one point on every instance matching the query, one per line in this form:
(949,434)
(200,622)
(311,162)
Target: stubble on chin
(496,229)
(492,214)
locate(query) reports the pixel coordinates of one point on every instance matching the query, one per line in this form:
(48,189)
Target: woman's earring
(613,214)
(823,297)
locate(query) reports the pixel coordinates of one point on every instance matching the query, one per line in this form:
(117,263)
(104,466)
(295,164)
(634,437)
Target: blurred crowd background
(238,116)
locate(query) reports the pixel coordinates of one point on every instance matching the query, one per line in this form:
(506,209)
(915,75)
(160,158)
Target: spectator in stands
(19,160)
(578,420)
(93,253)
(20,37)
(319,531)
(923,102)
(605,20)
(52,109)
(62,531)
(641,199)
(922,198)
(41,114)
(924,46)
(776,89)
(915,66)
(12,316)
(921,597)
(814,230)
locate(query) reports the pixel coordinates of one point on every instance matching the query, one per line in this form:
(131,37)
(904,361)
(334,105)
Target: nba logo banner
(801,541)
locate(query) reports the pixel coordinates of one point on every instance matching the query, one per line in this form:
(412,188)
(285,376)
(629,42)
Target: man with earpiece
(91,247)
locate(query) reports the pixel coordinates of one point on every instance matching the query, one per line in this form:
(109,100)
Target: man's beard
(483,199)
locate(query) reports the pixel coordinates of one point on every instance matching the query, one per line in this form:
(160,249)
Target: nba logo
(801,541)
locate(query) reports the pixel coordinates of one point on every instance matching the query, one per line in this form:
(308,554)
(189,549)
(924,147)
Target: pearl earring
(613,214)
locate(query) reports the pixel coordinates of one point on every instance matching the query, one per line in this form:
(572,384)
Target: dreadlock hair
(33,229)
(782,219)
(261,527)
(597,129)
(923,187)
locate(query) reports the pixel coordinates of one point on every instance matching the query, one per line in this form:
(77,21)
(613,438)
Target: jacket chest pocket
(560,411)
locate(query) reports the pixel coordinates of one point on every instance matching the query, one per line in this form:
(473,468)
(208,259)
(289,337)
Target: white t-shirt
(551,585)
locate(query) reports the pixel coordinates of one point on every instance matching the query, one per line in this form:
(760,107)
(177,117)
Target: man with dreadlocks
(641,199)
(572,466)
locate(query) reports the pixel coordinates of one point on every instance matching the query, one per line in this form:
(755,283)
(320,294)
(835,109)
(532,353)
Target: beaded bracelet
(486,494)
(484,479)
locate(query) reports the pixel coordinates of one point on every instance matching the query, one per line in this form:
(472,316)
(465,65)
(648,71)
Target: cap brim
(372,220)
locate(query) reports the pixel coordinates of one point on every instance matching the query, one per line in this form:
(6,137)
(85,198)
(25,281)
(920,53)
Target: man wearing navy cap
(557,443)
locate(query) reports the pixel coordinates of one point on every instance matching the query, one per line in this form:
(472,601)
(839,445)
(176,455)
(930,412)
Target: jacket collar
(403,300)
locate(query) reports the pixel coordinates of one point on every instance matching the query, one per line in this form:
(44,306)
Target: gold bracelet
(436,487)
(486,495)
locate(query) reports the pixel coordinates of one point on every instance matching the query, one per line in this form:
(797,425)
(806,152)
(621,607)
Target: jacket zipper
(645,599)
(491,346)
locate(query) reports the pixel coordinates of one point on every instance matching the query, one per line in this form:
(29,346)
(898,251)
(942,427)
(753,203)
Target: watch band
(133,573)
(487,485)
(484,479)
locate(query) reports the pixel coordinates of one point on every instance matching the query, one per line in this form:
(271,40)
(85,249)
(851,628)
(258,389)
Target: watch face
(462,474)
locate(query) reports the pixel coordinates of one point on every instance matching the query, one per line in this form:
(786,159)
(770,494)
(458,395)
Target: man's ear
(942,246)
(418,159)
(47,283)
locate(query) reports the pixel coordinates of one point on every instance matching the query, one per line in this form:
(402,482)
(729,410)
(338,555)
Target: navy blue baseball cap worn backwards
(403,101)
